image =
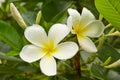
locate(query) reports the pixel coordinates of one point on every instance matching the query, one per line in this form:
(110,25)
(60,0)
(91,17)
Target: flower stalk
(77,64)
(100,17)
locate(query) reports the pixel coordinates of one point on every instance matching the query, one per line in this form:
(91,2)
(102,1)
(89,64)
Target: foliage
(88,66)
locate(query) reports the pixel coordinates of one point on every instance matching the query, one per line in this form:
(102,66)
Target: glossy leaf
(107,51)
(4,47)
(9,35)
(89,4)
(12,53)
(29,17)
(104,74)
(3,56)
(53,10)
(110,10)
(8,70)
(98,71)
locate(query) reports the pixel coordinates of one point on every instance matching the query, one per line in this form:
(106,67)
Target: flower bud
(16,15)
(107,61)
(0,61)
(38,18)
(117,33)
(113,65)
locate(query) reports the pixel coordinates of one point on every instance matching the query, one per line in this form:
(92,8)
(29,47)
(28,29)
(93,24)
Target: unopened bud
(107,61)
(16,15)
(0,61)
(117,33)
(113,65)
(38,18)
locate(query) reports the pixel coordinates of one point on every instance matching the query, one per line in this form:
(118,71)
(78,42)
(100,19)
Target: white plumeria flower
(84,26)
(47,47)
(1,1)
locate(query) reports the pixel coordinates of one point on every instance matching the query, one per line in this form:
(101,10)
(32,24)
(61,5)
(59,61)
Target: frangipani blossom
(46,47)
(85,26)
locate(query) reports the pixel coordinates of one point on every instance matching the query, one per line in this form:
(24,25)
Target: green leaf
(9,35)
(8,70)
(41,77)
(89,4)
(110,10)
(115,75)
(53,10)
(107,51)
(30,17)
(12,53)
(104,74)
(98,71)
(3,56)
(26,69)
(4,47)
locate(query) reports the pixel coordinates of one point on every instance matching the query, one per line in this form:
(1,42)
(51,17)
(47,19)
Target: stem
(90,59)
(104,37)
(101,41)
(77,64)
(100,17)
(111,31)
(107,26)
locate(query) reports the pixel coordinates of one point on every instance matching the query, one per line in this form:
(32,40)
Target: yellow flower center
(78,30)
(49,48)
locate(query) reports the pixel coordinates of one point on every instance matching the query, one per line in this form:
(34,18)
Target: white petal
(66,50)
(48,66)
(70,22)
(87,44)
(31,53)
(75,16)
(36,35)
(58,32)
(94,29)
(86,17)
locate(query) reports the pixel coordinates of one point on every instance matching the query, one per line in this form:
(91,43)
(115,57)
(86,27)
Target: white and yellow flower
(84,26)
(46,47)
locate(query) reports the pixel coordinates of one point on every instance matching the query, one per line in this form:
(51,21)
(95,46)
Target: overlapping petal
(31,53)
(36,35)
(94,29)
(58,32)
(87,44)
(48,65)
(66,50)
(70,22)
(75,16)
(86,17)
